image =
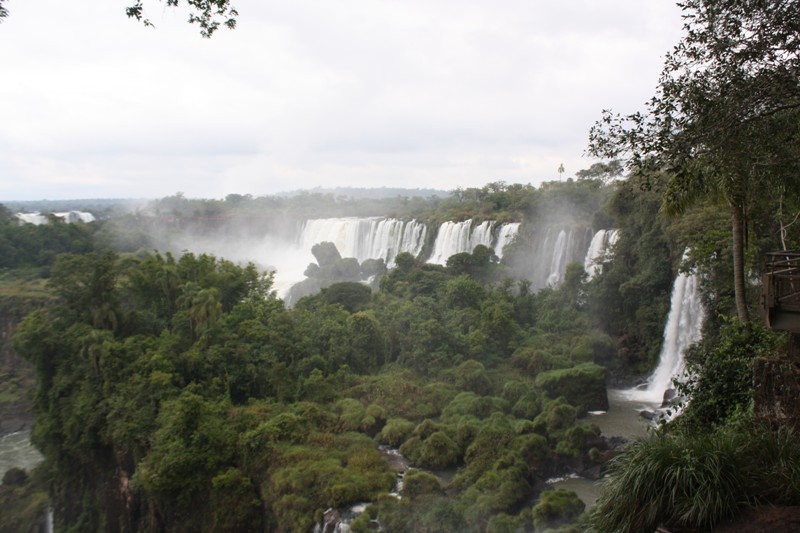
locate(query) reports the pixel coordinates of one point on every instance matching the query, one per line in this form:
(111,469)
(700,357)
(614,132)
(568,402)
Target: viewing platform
(780,297)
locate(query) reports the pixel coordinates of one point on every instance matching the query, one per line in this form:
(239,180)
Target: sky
(315,93)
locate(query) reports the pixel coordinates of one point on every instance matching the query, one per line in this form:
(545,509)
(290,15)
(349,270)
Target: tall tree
(725,119)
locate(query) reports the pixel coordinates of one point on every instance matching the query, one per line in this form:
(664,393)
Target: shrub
(438,452)
(721,371)
(582,385)
(691,481)
(556,415)
(513,390)
(557,507)
(417,483)
(471,376)
(529,406)
(468,403)
(396,431)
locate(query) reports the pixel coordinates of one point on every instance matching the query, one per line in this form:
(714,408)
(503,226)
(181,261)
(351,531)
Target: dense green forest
(179,393)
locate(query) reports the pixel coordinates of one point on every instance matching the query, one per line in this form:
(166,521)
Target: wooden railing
(780,297)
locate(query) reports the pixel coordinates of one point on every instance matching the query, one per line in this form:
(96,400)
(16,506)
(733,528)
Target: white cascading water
(599,251)
(461,237)
(684,328)
(505,236)
(70,217)
(452,238)
(552,249)
(366,238)
(561,256)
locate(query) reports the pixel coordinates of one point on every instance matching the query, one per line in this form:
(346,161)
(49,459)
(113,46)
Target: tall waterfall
(505,236)
(366,238)
(552,249)
(599,250)
(683,328)
(459,237)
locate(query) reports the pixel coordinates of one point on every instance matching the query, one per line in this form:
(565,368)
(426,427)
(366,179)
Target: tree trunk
(738,265)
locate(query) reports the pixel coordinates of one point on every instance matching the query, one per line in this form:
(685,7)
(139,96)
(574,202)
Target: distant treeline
(373,193)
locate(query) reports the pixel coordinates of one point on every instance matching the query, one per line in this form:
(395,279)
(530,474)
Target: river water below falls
(621,420)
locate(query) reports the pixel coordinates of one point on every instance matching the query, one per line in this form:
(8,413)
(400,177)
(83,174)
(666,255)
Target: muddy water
(621,420)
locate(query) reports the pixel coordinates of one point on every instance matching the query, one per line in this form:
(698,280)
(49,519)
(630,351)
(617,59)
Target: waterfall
(683,328)
(553,250)
(453,238)
(505,236)
(36,219)
(599,251)
(557,259)
(366,238)
(481,235)
(460,237)
(70,217)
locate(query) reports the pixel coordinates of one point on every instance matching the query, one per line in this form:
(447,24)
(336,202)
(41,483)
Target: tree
(601,170)
(209,14)
(725,120)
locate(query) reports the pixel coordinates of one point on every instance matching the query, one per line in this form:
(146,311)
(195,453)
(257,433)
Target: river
(621,420)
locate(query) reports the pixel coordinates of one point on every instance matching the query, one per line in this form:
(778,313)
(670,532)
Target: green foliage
(720,374)
(557,507)
(723,101)
(463,291)
(468,403)
(583,386)
(556,415)
(471,376)
(28,245)
(417,483)
(438,451)
(698,479)
(23,501)
(186,380)
(533,449)
(630,300)
(396,431)
(209,15)
(331,471)
(193,443)
(235,503)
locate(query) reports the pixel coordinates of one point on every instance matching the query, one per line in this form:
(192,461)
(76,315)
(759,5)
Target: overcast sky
(307,93)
